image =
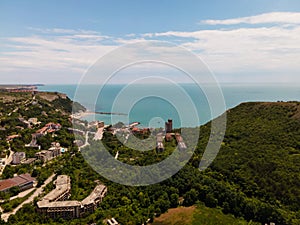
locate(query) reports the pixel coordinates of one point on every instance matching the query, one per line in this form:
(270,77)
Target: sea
(153,104)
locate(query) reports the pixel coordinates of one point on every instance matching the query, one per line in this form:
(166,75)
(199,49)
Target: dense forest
(255,176)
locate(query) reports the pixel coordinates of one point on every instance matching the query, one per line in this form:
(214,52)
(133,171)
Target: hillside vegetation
(255,177)
(198,215)
(260,156)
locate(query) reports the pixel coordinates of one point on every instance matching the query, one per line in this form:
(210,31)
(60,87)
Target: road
(37,192)
(99,134)
(117,155)
(22,194)
(86,141)
(7,160)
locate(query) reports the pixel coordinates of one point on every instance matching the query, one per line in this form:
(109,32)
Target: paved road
(22,194)
(86,141)
(99,134)
(37,192)
(7,160)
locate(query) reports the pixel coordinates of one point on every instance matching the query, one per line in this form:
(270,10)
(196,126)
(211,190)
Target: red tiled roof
(16,181)
(135,129)
(42,130)
(6,184)
(27,177)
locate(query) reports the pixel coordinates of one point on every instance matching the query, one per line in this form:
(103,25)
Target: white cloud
(61,31)
(72,52)
(273,17)
(264,49)
(243,50)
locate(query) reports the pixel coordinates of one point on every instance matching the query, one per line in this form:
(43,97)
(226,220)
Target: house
(143,131)
(11,137)
(33,121)
(49,128)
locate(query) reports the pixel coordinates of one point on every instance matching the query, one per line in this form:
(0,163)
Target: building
(91,202)
(18,157)
(11,137)
(159,143)
(112,221)
(168,137)
(44,155)
(23,181)
(62,190)
(100,124)
(33,142)
(33,121)
(29,161)
(19,88)
(47,155)
(143,131)
(169,126)
(135,130)
(48,128)
(64,209)
(133,124)
(55,149)
(55,204)
(180,143)
(93,124)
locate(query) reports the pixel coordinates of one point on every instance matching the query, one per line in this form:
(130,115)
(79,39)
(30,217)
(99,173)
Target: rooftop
(47,204)
(16,181)
(97,193)
(63,184)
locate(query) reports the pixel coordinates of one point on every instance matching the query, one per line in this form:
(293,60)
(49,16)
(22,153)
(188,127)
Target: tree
(190,197)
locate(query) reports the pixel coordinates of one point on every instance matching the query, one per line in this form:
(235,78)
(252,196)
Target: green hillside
(255,176)
(261,151)
(260,155)
(199,215)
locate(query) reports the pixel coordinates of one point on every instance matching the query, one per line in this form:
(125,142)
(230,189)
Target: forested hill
(255,176)
(35,103)
(260,156)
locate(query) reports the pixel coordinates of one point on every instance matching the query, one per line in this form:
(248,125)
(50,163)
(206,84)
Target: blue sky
(241,41)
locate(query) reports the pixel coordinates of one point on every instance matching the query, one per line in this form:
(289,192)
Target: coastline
(80,115)
(144,110)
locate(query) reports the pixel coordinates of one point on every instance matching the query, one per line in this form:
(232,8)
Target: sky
(56,42)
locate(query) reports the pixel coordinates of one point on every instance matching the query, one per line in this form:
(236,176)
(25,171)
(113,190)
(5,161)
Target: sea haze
(149,107)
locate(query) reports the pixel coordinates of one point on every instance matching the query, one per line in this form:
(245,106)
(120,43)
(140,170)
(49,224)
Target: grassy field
(180,216)
(199,215)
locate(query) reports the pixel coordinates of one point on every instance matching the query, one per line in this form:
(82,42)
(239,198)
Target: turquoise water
(151,107)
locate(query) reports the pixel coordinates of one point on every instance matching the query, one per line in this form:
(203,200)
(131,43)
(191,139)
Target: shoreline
(80,115)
